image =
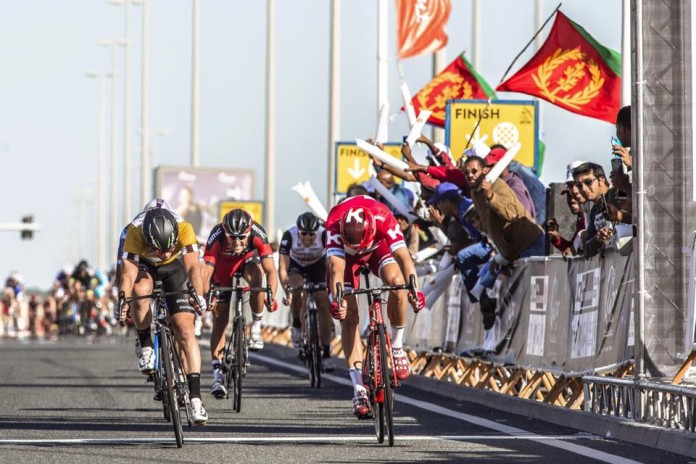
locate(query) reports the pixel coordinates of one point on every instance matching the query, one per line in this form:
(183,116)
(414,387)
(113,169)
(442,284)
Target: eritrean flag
(458,80)
(574,71)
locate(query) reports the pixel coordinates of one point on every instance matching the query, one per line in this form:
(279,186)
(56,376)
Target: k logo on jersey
(333,238)
(395,233)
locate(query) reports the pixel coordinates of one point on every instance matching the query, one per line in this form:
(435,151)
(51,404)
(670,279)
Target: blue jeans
(537,248)
(468,261)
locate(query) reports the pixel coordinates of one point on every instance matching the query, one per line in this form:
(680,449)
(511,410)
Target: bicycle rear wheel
(387,405)
(239,362)
(159,380)
(314,351)
(170,386)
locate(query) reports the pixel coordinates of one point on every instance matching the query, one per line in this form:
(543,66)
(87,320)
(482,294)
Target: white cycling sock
(356,378)
(256,325)
(397,336)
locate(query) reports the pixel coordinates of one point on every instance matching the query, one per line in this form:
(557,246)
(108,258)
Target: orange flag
(574,71)
(420,26)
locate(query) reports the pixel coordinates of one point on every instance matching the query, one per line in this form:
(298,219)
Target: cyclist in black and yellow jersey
(164,248)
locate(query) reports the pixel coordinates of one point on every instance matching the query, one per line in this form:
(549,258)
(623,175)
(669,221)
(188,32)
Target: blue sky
(49,123)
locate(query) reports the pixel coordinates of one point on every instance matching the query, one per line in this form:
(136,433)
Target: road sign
(503,121)
(354,166)
(255,208)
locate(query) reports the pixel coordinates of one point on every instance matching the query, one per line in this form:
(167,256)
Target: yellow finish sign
(255,208)
(354,165)
(502,122)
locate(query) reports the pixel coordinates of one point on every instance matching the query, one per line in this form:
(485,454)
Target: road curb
(674,441)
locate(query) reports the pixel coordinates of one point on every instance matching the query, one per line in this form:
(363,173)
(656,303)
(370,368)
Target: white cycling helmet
(157,203)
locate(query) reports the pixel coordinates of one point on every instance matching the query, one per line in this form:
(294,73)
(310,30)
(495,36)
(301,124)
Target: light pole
(195,73)
(101,183)
(144,109)
(113,188)
(127,188)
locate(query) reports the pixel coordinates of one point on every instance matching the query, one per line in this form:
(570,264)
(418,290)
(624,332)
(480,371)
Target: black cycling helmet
(308,222)
(237,222)
(160,229)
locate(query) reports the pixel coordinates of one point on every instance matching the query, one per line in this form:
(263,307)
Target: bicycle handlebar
(411,287)
(308,287)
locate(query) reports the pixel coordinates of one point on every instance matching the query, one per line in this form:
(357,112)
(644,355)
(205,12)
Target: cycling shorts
(173,277)
(314,273)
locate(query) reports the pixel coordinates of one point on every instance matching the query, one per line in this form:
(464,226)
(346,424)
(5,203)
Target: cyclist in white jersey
(303,255)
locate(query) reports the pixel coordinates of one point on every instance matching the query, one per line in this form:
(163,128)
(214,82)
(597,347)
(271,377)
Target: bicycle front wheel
(387,406)
(314,354)
(371,380)
(170,386)
(239,362)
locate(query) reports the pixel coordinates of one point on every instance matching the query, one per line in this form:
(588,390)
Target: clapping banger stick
(381,155)
(408,104)
(500,166)
(307,193)
(418,127)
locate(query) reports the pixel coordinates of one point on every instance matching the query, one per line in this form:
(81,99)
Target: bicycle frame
(169,376)
(311,343)
(378,380)
(235,360)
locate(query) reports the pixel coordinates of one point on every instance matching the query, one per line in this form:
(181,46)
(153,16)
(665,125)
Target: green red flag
(458,80)
(574,71)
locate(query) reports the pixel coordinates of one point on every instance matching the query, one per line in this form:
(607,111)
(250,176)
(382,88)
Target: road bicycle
(236,358)
(311,347)
(169,377)
(379,373)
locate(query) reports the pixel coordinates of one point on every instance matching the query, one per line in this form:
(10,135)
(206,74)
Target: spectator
(411,236)
(575,202)
(593,184)
(623,133)
(503,217)
(444,209)
(514,181)
(402,194)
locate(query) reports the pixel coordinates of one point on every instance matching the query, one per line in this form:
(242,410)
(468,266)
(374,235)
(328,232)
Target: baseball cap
(494,156)
(569,173)
(443,191)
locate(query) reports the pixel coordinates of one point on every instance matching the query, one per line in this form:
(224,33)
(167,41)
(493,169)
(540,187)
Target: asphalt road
(79,400)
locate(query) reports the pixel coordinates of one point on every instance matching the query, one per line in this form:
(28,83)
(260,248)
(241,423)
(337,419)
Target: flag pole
(488,103)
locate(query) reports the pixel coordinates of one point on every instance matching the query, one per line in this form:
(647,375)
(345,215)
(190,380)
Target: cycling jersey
(388,238)
(135,248)
(387,226)
(292,246)
(219,253)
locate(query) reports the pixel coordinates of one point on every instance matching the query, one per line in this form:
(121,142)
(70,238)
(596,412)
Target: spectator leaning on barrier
(410,231)
(575,201)
(593,184)
(514,181)
(402,194)
(503,217)
(443,207)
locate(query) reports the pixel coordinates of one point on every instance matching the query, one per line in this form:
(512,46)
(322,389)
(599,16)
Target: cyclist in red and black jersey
(237,244)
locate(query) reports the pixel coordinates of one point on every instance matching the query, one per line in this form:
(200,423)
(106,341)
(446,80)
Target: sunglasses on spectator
(307,234)
(586,182)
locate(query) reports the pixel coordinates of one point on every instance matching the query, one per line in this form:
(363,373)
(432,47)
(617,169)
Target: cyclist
(237,244)
(302,255)
(164,248)
(361,231)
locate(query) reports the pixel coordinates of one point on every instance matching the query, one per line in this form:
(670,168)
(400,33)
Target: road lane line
(478,421)
(287,439)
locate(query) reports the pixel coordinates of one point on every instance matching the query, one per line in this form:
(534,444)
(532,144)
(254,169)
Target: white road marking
(289,439)
(511,431)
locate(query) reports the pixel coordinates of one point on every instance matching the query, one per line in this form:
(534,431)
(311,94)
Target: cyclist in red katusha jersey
(362,231)
(237,244)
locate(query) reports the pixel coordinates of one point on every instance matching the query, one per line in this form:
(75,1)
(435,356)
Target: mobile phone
(405,137)
(616,165)
(615,141)
(603,204)
(621,195)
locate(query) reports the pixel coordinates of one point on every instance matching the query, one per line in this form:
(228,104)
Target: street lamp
(113,189)
(126,110)
(101,195)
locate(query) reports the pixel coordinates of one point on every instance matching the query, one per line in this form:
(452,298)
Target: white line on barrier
(434,408)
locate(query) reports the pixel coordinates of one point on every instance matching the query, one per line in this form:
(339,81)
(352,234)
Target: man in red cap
(514,181)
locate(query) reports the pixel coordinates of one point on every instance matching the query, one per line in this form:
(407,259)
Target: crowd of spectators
(489,223)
